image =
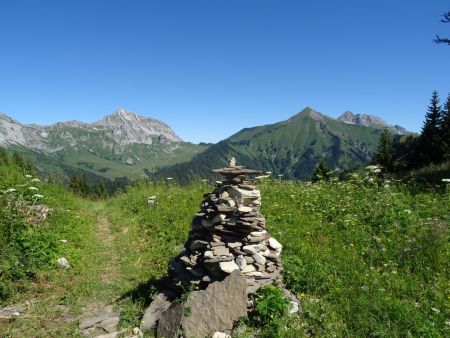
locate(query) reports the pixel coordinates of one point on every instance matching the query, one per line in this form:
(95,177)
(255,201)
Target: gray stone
(198,244)
(110,323)
(249,268)
(218,218)
(217,307)
(206,223)
(63,263)
(228,267)
(153,313)
(245,209)
(234,245)
(274,244)
(91,321)
(208,254)
(221,251)
(12,311)
(220,335)
(260,259)
(253,248)
(241,262)
(170,321)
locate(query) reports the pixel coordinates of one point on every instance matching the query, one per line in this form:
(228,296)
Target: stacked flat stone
(229,234)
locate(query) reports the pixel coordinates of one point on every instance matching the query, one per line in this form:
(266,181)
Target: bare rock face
(131,128)
(370,120)
(119,128)
(216,308)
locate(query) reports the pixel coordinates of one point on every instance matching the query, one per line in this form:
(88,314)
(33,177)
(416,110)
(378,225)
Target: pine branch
(442,40)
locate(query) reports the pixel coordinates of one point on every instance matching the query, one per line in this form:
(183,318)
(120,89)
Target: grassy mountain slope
(291,148)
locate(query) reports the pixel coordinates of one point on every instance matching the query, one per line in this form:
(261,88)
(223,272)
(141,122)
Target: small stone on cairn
(229,234)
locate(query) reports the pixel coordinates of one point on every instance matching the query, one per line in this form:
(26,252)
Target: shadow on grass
(144,293)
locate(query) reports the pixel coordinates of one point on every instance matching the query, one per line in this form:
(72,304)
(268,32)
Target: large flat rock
(216,308)
(153,313)
(169,323)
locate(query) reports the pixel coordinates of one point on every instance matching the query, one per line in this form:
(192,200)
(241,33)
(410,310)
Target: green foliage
(430,141)
(270,303)
(384,153)
(445,128)
(25,246)
(322,172)
(79,185)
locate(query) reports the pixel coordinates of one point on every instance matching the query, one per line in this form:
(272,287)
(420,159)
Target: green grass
(367,257)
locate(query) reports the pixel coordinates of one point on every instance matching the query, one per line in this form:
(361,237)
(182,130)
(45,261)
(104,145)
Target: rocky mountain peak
(128,127)
(307,111)
(369,120)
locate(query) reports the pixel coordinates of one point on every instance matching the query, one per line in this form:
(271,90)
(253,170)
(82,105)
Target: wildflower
(28,176)
(435,310)
(268,172)
(38,196)
(204,180)
(35,180)
(446,180)
(169,178)
(407,211)
(10,190)
(33,188)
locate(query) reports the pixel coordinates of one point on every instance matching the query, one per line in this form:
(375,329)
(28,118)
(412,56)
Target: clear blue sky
(209,68)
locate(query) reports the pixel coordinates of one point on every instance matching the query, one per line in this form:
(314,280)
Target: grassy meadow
(367,256)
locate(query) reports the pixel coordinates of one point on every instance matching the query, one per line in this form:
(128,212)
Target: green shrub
(270,303)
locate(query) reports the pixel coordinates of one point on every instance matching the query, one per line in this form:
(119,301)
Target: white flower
(10,190)
(33,188)
(407,211)
(268,172)
(205,180)
(446,180)
(35,180)
(28,176)
(262,177)
(435,310)
(38,196)
(169,178)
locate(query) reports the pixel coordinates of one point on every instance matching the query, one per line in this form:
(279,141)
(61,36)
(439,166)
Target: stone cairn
(229,234)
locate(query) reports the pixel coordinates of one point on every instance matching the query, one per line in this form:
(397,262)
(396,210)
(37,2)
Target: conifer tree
(430,142)
(74,184)
(84,186)
(445,128)
(321,173)
(384,154)
(3,156)
(100,189)
(17,159)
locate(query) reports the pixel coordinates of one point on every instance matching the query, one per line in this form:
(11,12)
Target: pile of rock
(229,234)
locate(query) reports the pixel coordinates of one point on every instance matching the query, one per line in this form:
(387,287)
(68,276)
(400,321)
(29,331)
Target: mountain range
(120,144)
(125,144)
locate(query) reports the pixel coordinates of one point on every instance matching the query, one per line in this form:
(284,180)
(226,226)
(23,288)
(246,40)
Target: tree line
(432,146)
